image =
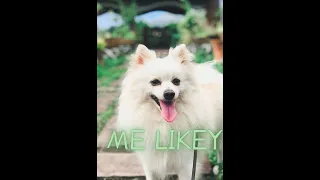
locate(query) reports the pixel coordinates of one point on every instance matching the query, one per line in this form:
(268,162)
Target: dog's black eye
(176,81)
(155,82)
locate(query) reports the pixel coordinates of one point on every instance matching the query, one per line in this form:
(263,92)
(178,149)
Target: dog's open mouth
(156,100)
(167,108)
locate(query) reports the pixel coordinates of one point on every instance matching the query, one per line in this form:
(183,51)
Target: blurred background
(121,26)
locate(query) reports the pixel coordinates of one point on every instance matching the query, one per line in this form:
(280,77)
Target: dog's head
(162,81)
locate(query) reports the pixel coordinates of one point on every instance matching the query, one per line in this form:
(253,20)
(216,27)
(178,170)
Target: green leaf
(219,67)
(99,6)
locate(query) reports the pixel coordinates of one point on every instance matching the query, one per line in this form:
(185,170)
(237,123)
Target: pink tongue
(168,111)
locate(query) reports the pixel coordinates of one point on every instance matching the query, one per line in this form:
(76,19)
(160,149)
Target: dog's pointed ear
(182,53)
(142,55)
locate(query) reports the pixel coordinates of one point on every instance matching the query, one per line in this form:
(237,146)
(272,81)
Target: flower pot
(221,37)
(115,42)
(200,40)
(217,45)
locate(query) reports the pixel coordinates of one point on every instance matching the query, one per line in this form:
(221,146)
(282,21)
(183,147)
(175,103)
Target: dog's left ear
(142,55)
(182,53)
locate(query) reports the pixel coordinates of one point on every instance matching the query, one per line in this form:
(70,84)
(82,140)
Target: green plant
(115,74)
(186,4)
(99,7)
(175,35)
(202,56)
(111,69)
(213,160)
(219,67)
(100,43)
(139,31)
(194,25)
(99,71)
(123,31)
(213,157)
(220,174)
(105,34)
(219,13)
(128,12)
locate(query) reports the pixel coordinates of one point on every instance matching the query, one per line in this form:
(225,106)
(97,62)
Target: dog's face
(163,81)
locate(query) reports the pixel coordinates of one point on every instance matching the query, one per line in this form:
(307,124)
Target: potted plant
(216,40)
(216,45)
(194,27)
(124,34)
(120,36)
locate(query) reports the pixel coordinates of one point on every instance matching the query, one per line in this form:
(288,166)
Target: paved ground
(109,164)
(105,134)
(119,164)
(174,177)
(106,94)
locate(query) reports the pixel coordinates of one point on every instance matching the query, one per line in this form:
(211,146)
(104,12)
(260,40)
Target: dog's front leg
(185,172)
(150,175)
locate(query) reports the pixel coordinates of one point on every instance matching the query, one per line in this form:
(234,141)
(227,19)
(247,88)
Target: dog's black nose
(168,94)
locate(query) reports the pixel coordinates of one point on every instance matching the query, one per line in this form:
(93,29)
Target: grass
(106,115)
(111,66)
(112,75)
(219,67)
(111,71)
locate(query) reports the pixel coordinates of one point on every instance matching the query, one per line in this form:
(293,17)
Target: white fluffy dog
(160,95)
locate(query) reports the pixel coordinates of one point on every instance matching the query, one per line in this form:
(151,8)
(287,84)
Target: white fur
(199,104)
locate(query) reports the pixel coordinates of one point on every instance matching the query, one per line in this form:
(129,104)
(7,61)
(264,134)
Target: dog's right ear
(142,55)
(181,53)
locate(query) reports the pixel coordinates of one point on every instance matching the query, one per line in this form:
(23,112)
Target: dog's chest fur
(161,160)
(170,160)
